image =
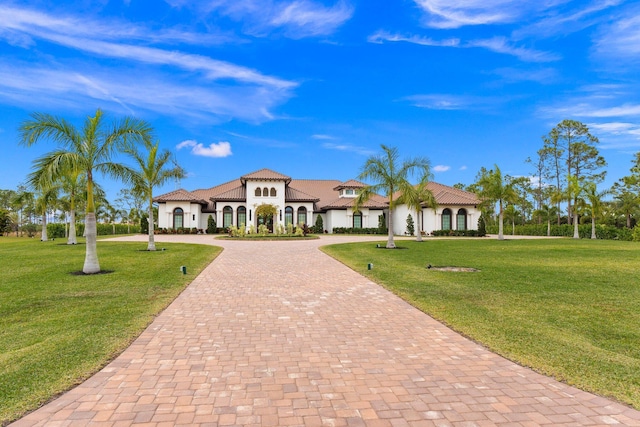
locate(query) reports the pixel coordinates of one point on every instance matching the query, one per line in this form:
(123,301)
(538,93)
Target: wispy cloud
(621,38)
(384,36)
(294,18)
(349,148)
(217,89)
(441,168)
(502,45)
(541,75)
(304,18)
(496,44)
(215,150)
(323,137)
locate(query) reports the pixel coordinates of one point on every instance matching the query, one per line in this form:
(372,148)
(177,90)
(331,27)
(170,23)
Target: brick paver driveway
(278,334)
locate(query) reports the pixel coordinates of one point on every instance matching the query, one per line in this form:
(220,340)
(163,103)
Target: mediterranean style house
(300,201)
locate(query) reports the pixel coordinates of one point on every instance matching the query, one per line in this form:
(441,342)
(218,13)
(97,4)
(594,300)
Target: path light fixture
(183,269)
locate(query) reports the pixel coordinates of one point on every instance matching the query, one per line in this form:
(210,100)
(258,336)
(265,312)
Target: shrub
(606,232)
(144,224)
(482,226)
(456,233)
(318,228)
(56,230)
(382,225)
(263,230)
(410,225)
(290,228)
(211,225)
(345,230)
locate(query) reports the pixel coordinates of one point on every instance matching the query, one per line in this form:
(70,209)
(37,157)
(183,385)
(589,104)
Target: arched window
(178,218)
(227,216)
(258,192)
(242,216)
(288,215)
(357,220)
(461,219)
(273,192)
(446,219)
(302,215)
(265,192)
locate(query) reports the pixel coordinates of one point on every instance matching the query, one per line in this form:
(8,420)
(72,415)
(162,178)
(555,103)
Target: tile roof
(265,175)
(446,195)
(180,195)
(323,192)
(238,193)
(352,183)
(292,194)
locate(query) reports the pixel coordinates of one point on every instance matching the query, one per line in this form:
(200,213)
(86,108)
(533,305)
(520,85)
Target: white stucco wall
(190,210)
(432,220)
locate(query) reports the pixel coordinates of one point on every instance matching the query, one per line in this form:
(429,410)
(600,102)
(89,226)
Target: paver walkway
(278,334)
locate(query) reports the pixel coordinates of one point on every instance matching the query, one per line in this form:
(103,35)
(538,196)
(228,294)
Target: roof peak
(265,175)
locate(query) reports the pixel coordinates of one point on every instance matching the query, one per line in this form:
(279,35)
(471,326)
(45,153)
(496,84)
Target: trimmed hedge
(345,230)
(606,232)
(457,233)
(56,230)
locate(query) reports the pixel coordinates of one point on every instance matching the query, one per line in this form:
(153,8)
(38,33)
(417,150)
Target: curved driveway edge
(280,334)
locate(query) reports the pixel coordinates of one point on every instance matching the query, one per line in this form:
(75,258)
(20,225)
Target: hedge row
(606,232)
(57,230)
(345,230)
(458,233)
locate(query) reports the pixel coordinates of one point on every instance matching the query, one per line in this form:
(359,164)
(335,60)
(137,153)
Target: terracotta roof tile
(446,195)
(296,195)
(265,175)
(180,195)
(238,193)
(352,183)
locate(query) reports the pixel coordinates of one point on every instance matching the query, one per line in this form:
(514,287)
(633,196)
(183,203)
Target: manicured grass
(569,309)
(56,328)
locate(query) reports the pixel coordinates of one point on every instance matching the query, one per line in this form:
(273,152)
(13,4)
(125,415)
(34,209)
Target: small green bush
(351,230)
(56,230)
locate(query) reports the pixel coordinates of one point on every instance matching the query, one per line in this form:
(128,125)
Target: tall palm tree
(46,197)
(492,188)
(422,197)
(390,177)
(154,168)
(546,213)
(90,150)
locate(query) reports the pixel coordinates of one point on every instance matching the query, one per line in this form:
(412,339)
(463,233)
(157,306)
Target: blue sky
(310,88)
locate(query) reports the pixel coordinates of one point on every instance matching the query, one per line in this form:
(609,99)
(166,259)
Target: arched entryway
(178,218)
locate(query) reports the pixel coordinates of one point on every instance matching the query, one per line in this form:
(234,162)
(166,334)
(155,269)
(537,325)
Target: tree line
(563,187)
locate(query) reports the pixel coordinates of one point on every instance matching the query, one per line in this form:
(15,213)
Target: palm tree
(595,204)
(422,197)
(153,171)
(492,189)
(89,150)
(45,198)
(546,213)
(390,177)
(72,183)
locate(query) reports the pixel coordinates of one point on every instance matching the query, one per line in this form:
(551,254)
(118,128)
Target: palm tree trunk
(91,264)
(500,225)
(44,237)
(593,227)
(152,244)
(549,227)
(390,243)
(419,235)
(72,240)
(576,234)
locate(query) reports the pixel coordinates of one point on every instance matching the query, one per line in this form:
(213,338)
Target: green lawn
(56,328)
(569,309)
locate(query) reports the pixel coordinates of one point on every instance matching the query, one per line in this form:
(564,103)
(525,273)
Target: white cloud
(294,18)
(221,149)
(349,148)
(176,83)
(441,168)
(463,168)
(303,18)
(382,36)
(117,89)
(495,44)
(502,45)
(323,137)
(621,39)
(442,101)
